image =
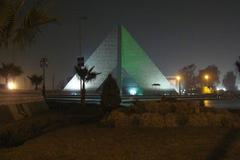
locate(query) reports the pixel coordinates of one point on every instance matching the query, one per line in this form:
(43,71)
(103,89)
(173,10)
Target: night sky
(173,33)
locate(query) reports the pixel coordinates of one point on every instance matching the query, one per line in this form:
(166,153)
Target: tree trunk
(6,80)
(36,87)
(83,92)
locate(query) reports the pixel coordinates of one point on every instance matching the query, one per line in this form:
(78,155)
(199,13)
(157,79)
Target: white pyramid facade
(104,58)
(119,51)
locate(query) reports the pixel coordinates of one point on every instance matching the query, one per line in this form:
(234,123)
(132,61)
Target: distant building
(120,55)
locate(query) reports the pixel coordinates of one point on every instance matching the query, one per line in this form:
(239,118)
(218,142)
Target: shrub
(135,120)
(152,120)
(170,120)
(17,133)
(10,139)
(117,118)
(138,107)
(110,97)
(182,119)
(172,114)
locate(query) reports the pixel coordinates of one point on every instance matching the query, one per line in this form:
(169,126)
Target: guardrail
(7,98)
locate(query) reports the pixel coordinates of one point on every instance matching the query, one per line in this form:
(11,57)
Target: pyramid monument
(120,55)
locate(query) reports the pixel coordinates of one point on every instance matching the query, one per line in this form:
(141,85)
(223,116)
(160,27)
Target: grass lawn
(93,142)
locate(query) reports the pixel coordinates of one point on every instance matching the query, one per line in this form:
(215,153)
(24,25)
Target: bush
(170,120)
(172,114)
(17,133)
(152,120)
(10,139)
(117,118)
(110,97)
(135,120)
(182,120)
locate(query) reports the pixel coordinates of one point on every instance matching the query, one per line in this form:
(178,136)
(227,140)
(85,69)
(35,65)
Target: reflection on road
(232,104)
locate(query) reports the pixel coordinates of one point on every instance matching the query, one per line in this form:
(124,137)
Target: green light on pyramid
(120,53)
(138,64)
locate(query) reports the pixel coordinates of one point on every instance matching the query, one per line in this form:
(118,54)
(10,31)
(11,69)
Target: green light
(138,64)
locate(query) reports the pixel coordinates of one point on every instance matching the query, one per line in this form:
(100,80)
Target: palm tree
(237,64)
(85,76)
(21,21)
(35,80)
(10,70)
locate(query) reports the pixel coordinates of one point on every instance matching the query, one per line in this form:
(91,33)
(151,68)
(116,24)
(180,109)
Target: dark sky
(174,33)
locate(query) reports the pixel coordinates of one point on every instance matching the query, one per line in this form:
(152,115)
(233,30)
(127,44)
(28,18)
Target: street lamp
(179,87)
(43,65)
(82,20)
(206,77)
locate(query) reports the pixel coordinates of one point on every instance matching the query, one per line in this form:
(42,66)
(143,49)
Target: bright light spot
(206,90)
(206,77)
(221,88)
(12,85)
(178,78)
(132,91)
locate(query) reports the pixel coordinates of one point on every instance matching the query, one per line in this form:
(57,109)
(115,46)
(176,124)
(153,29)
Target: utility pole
(80,59)
(43,65)
(81,35)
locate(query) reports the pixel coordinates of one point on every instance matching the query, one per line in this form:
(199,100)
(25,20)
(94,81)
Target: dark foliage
(110,97)
(35,80)
(10,70)
(21,21)
(188,78)
(85,75)
(229,81)
(213,72)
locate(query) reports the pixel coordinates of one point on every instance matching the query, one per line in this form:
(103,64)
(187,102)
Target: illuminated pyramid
(120,55)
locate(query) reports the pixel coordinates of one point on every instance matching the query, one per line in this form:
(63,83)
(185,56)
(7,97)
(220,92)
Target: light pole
(179,85)
(82,19)
(206,77)
(43,65)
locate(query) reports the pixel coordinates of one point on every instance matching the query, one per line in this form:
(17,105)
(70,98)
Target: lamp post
(206,77)
(43,65)
(81,23)
(80,65)
(179,85)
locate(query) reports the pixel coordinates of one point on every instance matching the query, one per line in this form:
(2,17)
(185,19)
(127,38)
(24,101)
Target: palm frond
(35,79)
(91,69)
(19,26)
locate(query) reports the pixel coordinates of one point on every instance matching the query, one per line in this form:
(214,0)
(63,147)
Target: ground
(93,141)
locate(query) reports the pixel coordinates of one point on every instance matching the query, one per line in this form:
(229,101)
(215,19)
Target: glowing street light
(206,77)
(179,86)
(11,85)
(178,78)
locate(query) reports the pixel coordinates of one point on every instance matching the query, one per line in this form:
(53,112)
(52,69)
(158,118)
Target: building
(120,55)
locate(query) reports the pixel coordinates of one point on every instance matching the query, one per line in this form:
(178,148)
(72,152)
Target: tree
(85,76)
(188,77)
(229,81)
(10,70)
(237,64)
(21,21)
(209,76)
(35,80)
(110,97)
